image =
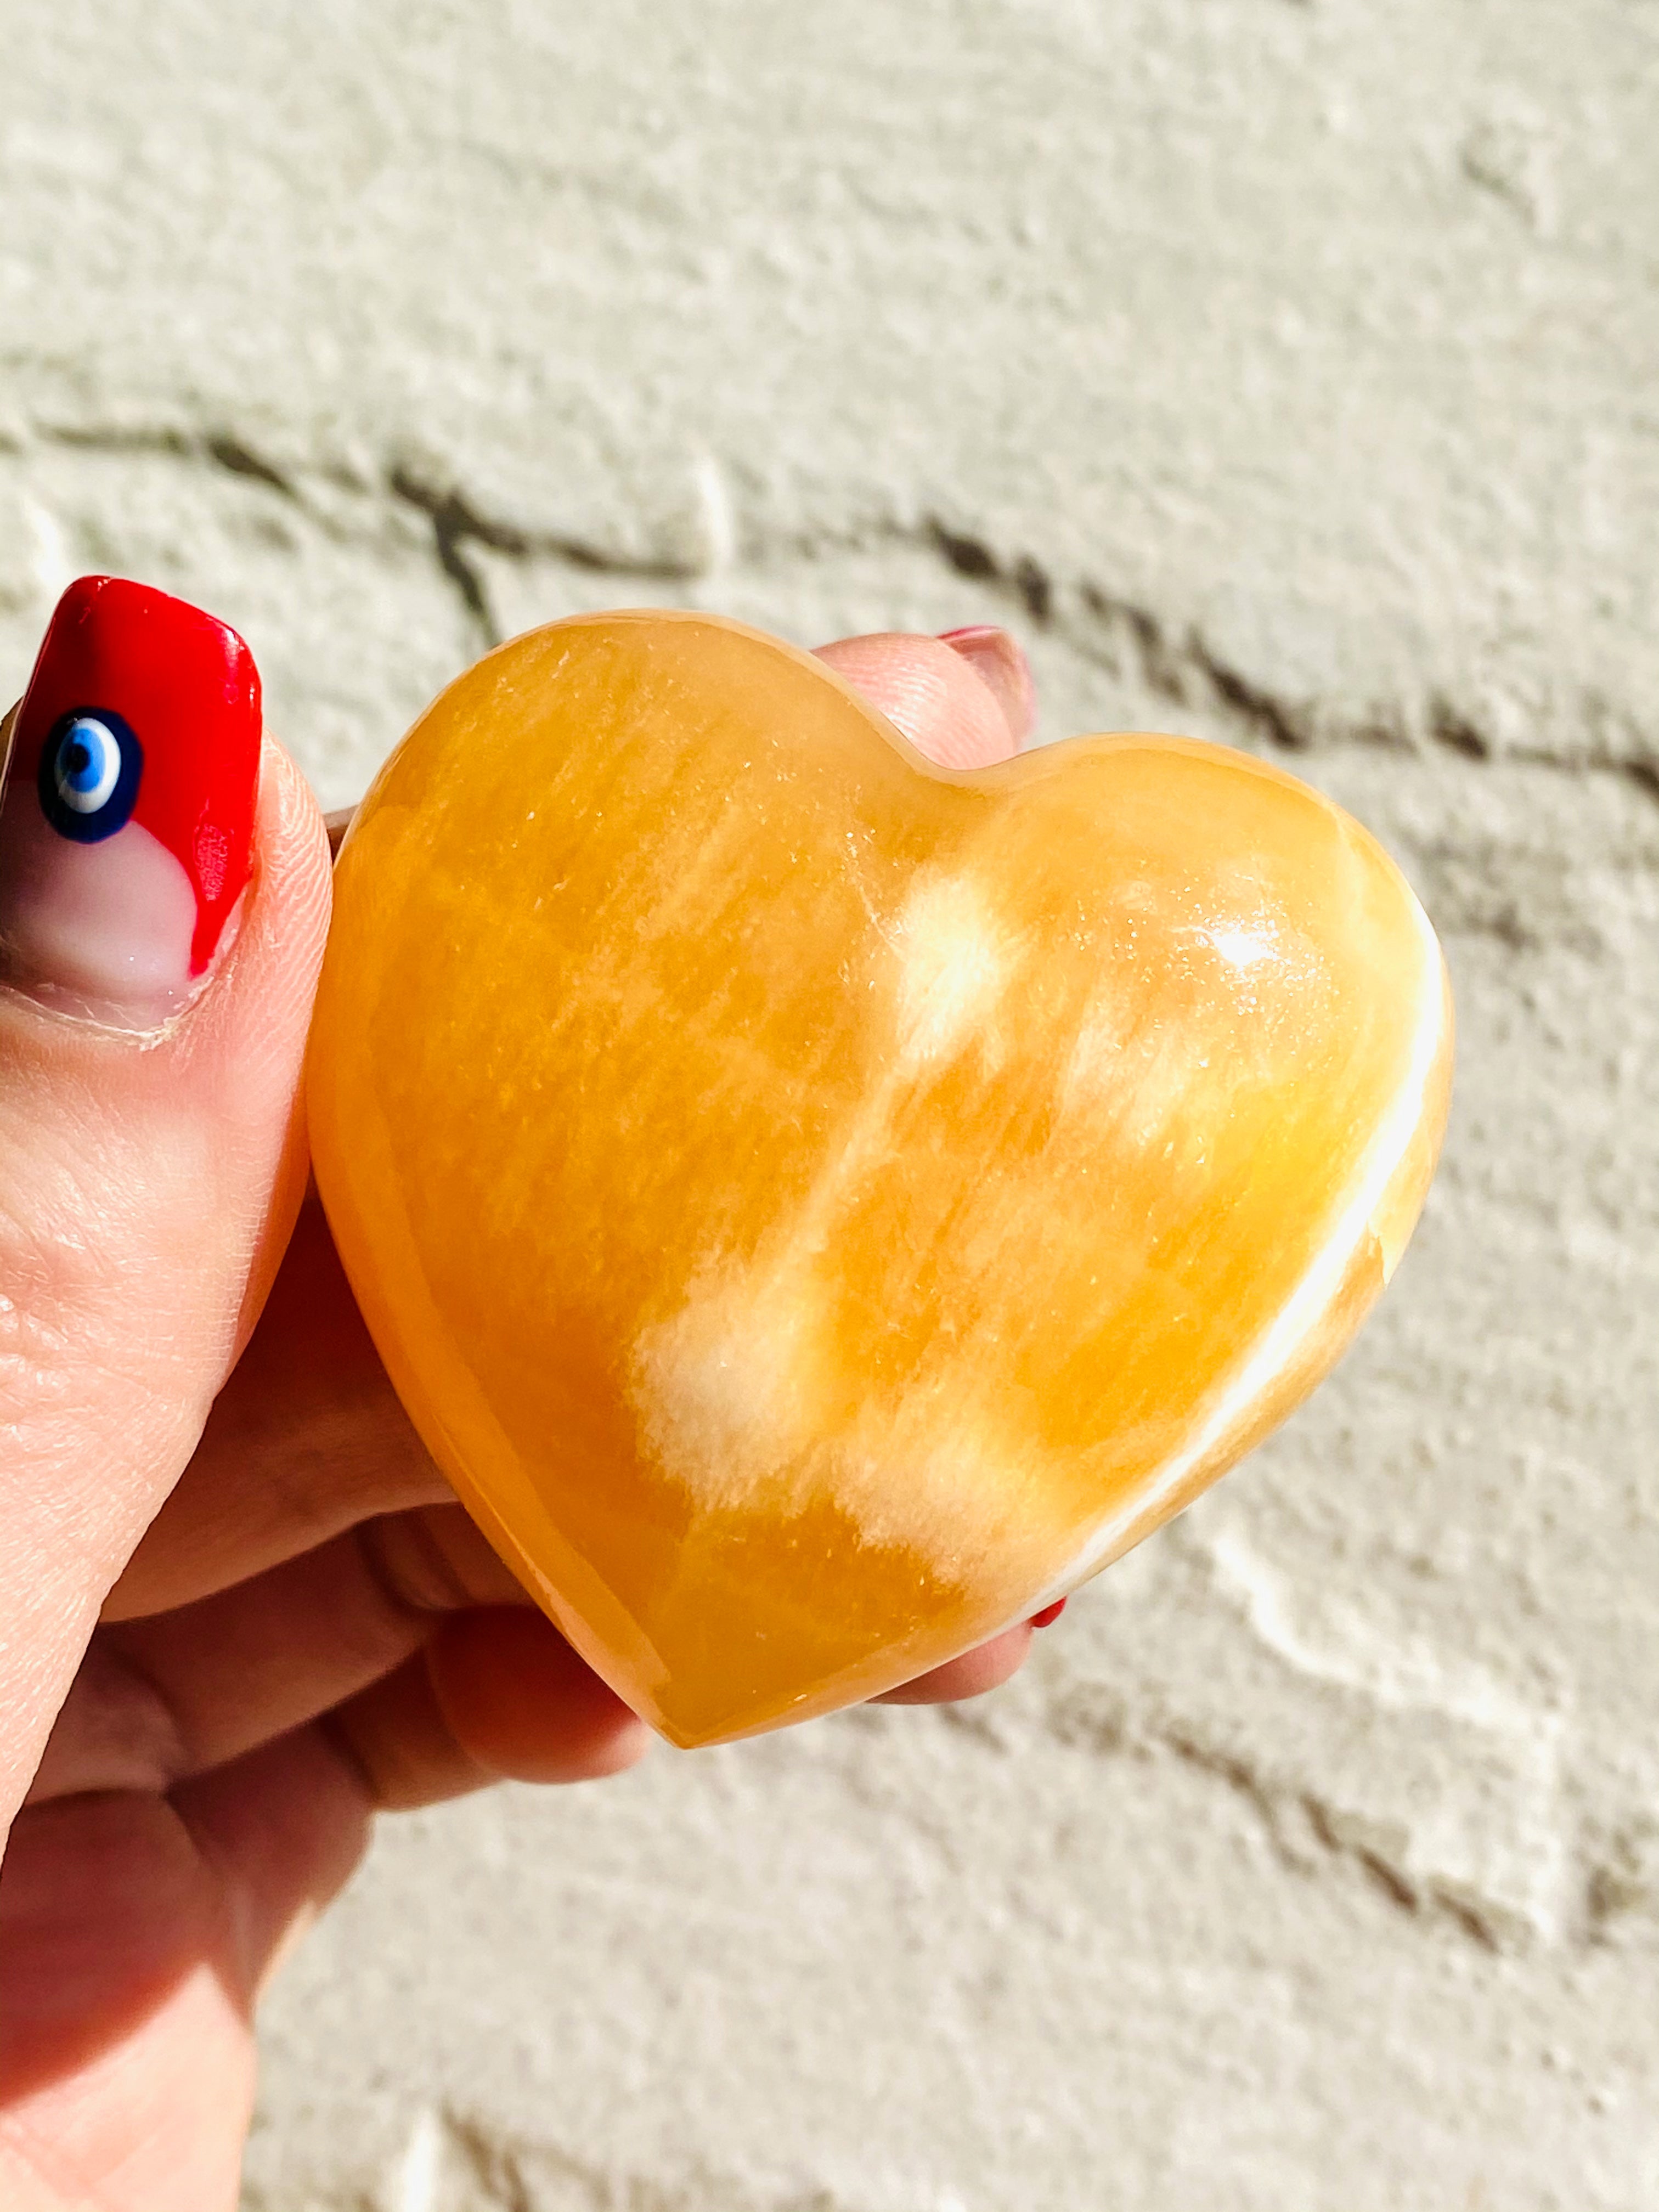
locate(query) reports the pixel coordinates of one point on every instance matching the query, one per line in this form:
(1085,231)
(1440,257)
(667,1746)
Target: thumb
(164,895)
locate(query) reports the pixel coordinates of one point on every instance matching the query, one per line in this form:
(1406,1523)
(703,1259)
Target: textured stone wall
(1283,373)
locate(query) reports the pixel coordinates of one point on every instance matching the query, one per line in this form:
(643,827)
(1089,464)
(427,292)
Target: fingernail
(1002,667)
(126,830)
(1050,1612)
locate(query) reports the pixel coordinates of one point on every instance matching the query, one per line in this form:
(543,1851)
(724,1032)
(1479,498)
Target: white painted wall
(1281,370)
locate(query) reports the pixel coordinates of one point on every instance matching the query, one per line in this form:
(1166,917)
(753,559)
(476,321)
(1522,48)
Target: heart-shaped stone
(816,1207)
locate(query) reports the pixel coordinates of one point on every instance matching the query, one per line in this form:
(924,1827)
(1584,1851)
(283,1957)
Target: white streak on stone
(956,961)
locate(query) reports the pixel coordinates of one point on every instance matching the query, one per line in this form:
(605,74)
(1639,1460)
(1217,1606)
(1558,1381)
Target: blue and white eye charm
(90,767)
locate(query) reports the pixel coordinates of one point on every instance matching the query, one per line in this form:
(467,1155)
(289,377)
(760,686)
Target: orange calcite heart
(816,1206)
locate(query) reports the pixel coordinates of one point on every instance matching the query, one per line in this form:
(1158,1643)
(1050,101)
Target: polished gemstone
(818,1207)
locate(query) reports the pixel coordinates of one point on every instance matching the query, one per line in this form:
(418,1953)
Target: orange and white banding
(818,1207)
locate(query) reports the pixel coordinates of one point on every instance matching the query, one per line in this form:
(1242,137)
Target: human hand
(305,1627)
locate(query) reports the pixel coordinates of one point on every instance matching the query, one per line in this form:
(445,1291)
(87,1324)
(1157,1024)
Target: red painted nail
(1050,1612)
(126,836)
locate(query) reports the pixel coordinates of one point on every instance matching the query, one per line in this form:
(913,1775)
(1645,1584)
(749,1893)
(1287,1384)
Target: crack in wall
(219,448)
(1172,659)
(1176,662)
(457,523)
(1305,1833)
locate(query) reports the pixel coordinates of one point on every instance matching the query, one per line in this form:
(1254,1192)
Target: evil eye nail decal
(90,769)
(139,736)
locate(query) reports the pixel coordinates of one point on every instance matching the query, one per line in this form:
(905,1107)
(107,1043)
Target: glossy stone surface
(818,1206)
